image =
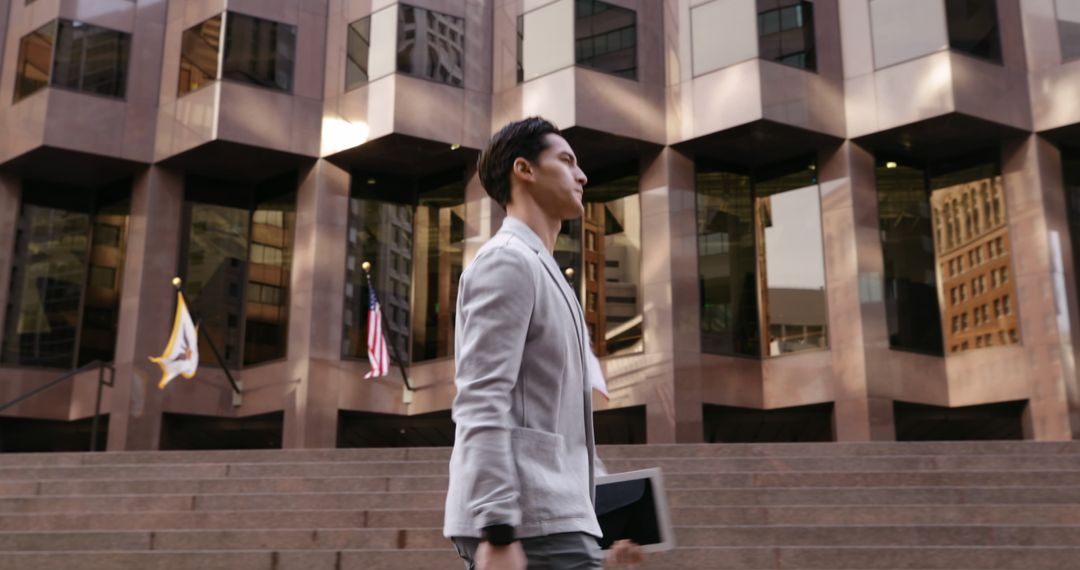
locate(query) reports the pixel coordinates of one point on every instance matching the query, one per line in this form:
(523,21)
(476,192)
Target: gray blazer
(524,453)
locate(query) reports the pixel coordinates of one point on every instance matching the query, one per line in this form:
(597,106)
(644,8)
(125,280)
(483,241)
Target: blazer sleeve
(496,299)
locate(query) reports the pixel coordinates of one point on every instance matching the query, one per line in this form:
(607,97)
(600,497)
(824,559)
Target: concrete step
(225,539)
(716,558)
(833,515)
(878,535)
(372,484)
(606,452)
(436,499)
(924,463)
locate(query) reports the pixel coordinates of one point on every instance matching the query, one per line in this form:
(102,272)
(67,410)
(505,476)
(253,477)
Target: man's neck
(545,227)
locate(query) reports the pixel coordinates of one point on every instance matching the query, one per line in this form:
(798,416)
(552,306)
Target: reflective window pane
(438,259)
(973,28)
(1071,164)
(356,54)
(380,232)
(431,45)
(35,60)
(1068,16)
(605,37)
(791,270)
(726,262)
(65,290)
(906,29)
(259,51)
(612,225)
(520,48)
(969,208)
(199,49)
(911,303)
(786,33)
(91,59)
(547,39)
(266,327)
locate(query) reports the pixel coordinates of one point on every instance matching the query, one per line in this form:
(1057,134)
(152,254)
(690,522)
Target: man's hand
(509,557)
(624,553)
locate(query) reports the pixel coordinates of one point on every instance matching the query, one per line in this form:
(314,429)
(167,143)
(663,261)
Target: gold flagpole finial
(366,266)
(176,282)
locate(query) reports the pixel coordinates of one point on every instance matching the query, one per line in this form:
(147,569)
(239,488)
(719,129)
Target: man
(522,472)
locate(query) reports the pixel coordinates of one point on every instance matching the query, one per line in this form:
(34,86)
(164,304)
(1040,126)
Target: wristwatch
(498,534)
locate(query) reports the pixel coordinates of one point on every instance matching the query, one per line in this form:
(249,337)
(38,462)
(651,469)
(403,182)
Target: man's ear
(522,169)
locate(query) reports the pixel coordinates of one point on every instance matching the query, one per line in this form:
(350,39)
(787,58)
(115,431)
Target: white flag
(181,356)
(596,373)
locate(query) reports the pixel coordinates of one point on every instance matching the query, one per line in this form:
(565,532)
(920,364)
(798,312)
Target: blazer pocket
(548,490)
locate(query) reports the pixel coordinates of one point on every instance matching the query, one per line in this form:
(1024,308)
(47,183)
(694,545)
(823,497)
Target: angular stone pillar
(1037,212)
(147,307)
(854,270)
(317,292)
(10,192)
(670,289)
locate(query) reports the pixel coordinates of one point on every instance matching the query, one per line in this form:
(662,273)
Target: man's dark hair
(525,139)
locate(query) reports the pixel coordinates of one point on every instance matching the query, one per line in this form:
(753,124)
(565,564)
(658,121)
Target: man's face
(558,181)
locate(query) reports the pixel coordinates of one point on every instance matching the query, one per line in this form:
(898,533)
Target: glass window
(723,33)
(1068,17)
(520,48)
(761,258)
(786,32)
(605,37)
(73,55)
(259,51)
(414,241)
(906,29)
(236,266)
(547,39)
(431,45)
(973,28)
(199,48)
(356,55)
(35,60)
(1071,163)
(65,291)
(600,255)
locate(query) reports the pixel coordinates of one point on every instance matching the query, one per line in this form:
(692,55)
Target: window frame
(56,24)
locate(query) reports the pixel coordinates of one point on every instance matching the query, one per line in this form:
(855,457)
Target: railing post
(97,402)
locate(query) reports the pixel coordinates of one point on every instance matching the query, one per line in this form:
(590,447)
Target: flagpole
(366,266)
(210,341)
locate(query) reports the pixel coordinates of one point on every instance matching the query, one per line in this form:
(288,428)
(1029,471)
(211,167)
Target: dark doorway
(23,435)
(921,422)
(728,424)
(620,426)
(188,431)
(368,429)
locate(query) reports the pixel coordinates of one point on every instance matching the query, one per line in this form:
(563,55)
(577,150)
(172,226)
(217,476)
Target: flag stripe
(376,340)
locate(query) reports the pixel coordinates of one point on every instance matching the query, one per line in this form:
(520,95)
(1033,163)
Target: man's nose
(580,177)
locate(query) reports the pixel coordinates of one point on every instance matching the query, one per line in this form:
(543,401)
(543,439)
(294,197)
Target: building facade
(844,220)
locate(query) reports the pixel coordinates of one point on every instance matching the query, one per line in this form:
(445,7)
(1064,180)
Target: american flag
(376,340)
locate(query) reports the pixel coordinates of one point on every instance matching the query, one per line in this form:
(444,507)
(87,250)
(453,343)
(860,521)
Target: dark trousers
(567,551)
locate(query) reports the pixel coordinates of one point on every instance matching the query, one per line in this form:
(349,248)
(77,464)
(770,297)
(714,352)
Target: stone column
(147,307)
(10,191)
(854,267)
(317,292)
(1037,216)
(670,291)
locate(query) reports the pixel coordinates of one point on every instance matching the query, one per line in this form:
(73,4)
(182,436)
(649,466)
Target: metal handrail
(101,367)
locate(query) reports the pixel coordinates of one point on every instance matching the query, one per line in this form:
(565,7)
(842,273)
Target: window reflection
(356,55)
(414,241)
(973,27)
(66,275)
(606,37)
(199,48)
(761,260)
(726,264)
(259,51)
(73,55)
(431,45)
(974,259)
(1068,17)
(236,266)
(1071,164)
(786,32)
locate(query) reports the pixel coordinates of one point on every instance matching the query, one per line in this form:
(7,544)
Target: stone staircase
(958,506)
